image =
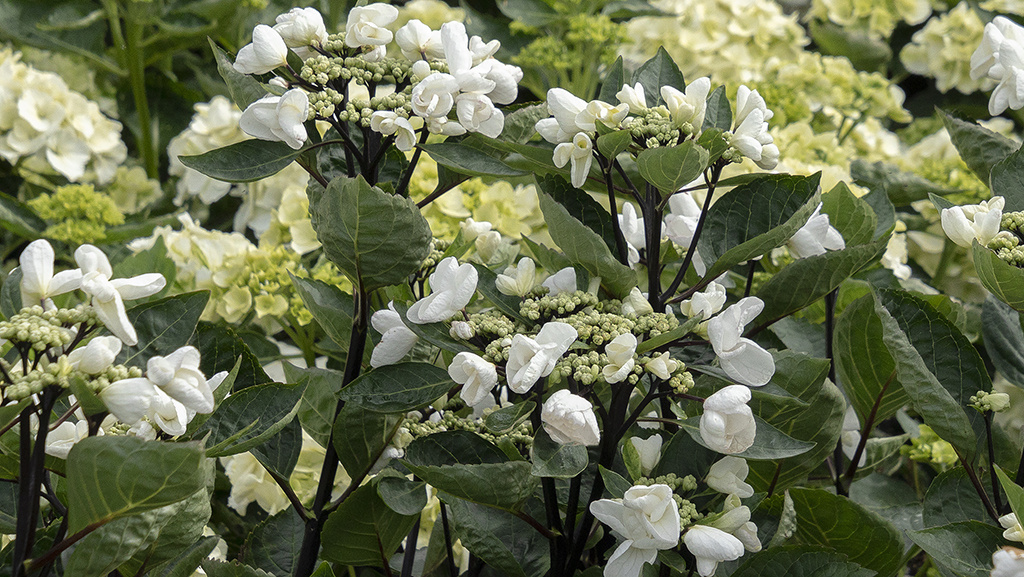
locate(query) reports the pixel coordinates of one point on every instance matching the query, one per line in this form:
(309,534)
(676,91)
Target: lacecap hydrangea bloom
(941,50)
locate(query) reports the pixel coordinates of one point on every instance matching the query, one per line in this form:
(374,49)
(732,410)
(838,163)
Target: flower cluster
(78,214)
(47,128)
(878,19)
(939,50)
(1000,58)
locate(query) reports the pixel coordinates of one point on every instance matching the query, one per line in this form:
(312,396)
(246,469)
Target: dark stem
(536,525)
(652,227)
(712,180)
(410,549)
(30,477)
(1020,470)
(384,145)
(620,240)
(775,479)
(571,506)
(308,553)
(973,476)
(61,546)
(992,462)
(632,187)
(403,185)
(452,570)
(869,423)
(292,497)
(750,277)
(837,453)
(550,495)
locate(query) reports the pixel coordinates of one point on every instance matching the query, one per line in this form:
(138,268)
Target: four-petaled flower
(532,358)
(108,295)
(741,358)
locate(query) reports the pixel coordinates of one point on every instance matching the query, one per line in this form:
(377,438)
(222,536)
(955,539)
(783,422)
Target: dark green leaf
(18,218)
(863,363)
(770,444)
(106,548)
(319,399)
(581,206)
(756,217)
(865,51)
(952,498)
(505,303)
(398,388)
(965,548)
(453,448)
(437,334)
(980,148)
(185,564)
(183,527)
(849,529)
(670,168)
(280,453)
(163,326)
(10,294)
(659,71)
(250,417)
(273,545)
(244,161)
(519,125)
(670,336)
(502,485)
(585,248)
(902,187)
(800,561)
(331,308)
(495,537)
(1014,493)
(221,348)
(551,459)
(885,212)
(851,216)
(1008,181)
(375,238)
(110,477)
(468,160)
(360,437)
(215,568)
(529,12)
(505,419)
(1002,279)
(615,484)
(1004,339)
(612,82)
(403,496)
(718,113)
(364,530)
(611,144)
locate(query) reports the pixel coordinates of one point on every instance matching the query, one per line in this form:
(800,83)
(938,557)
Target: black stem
(620,239)
(632,187)
(384,145)
(409,557)
(837,452)
(308,553)
(750,277)
(869,423)
(548,488)
(712,180)
(652,228)
(30,477)
(452,570)
(403,185)
(992,462)
(973,476)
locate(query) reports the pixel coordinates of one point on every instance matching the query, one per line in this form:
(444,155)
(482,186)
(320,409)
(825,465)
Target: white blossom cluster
(1000,58)
(49,128)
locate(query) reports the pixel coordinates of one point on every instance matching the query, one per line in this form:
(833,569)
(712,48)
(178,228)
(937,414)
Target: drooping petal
(140,286)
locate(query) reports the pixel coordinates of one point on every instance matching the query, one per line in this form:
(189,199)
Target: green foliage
(670,168)
(245,161)
(364,530)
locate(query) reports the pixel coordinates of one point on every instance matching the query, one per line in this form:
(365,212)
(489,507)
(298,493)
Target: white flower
(965,224)
(647,519)
(505,77)
(278,118)
(1008,562)
(396,340)
(747,101)
(38,283)
(1000,57)
(417,41)
(301,28)
(517,280)
(661,366)
(434,96)
(477,113)
(636,304)
(60,440)
(750,135)
(633,233)
(564,107)
(492,247)
(387,123)
(705,303)
(596,110)
(620,358)
(451,287)
(728,476)
(569,419)
(580,152)
(711,546)
(97,356)
(108,295)
(529,359)
(735,520)
(688,107)
(476,376)
(563,281)
(461,330)
(471,229)
(815,237)
(895,257)
(128,399)
(649,450)
(850,436)
(266,52)
(171,416)
(179,376)
(1014,531)
(681,225)
(367,25)
(727,425)
(633,96)
(741,358)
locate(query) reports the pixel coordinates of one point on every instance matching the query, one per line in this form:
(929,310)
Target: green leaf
(964,548)
(851,216)
(331,308)
(551,459)
(885,212)
(756,217)
(612,82)
(469,160)
(494,536)
(360,437)
(403,496)
(804,281)
(453,448)
(398,388)
(800,561)
(1004,340)
(505,419)
(865,51)
(952,498)
(274,544)
(615,484)
(863,363)
(585,248)
(110,477)
(902,187)
(891,498)
(670,168)
(280,452)
(163,326)
(221,349)
(245,161)
(980,148)
(10,412)
(529,12)
(106,548)
(519,125)
(185,564)
(770,444)
(437,334)
(581,206)
(319,399)
(1014,494)
(375,238)
(250,417)
(8,506)
(718,113)
(502,485)
(10,294)
(659,71)
(215,568)
(844,526)
(1008,181)
(17,217)
(936,364)
(670,336)
(1002,279)
(613,143)
(153,259)
(219,394)
(244,89)
(363,530)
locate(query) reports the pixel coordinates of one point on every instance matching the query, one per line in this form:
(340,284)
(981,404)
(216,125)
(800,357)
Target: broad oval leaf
(331,308)
(500,539)
(853,217)
(670,168)
(611,144)
(965,547)
(980,148)
(800,561)
(468,160)
(360,437)
(1001,278)
(398,388)
(552,459)
(110,477)
(163,326)
(244,161)
(503,485)
(453,448)
(250,417)
(1004,340)
(363,530)
(375,238)
(659,71)
(863,363)
(1008,181)
(403,496)
(769,443)
(505,419)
